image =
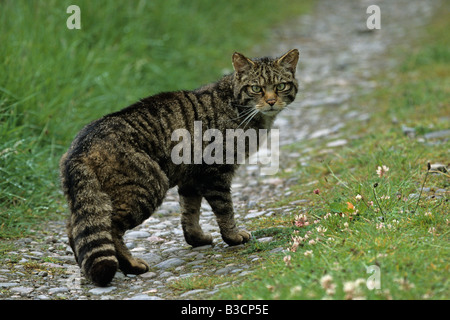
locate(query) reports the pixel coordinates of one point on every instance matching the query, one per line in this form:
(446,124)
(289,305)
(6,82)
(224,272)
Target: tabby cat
(118,169)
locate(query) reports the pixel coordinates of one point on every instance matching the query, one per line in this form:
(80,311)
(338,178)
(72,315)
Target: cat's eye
(256,89)
(281,86)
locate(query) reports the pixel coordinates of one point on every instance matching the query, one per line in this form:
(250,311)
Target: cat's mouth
(271,110)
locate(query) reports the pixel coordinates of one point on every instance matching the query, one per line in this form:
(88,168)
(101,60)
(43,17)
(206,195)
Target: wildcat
(118,168)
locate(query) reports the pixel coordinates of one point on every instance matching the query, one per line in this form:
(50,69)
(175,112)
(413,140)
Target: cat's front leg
(190,203)
(222,205)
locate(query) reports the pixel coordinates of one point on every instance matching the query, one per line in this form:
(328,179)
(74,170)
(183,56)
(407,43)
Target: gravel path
(338,58)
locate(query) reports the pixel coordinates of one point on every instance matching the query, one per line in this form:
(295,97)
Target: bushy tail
(89,226)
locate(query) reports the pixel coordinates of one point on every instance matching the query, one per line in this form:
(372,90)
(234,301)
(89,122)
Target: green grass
(359,220)
(55,80)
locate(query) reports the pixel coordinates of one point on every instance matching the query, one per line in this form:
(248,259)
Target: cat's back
(146,126)
(145,119)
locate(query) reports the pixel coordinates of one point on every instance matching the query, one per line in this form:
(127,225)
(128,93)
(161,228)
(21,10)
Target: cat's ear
(289,60)
(241,63)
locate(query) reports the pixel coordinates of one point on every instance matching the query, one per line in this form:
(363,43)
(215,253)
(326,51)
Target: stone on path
(170,263)
(137,234)
(98,291)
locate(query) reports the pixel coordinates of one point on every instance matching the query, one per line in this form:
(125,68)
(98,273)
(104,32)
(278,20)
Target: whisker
(246,112)
(248,122)
(249,118)
(249,114)
(243,121)
(242,114)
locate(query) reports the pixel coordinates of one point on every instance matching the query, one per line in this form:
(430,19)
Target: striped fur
(118,169)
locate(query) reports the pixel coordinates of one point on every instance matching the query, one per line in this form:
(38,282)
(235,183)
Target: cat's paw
(236,238)
(198,239)
(143,266)
(134,266)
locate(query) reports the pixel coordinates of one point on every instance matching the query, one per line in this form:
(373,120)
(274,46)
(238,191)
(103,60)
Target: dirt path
(338,58)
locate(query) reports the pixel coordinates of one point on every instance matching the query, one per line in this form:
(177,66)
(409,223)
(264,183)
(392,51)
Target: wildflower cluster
(309,238)
(404,284)
(300,241)
(388,226)
(328,285)
(352,289)
(315,231)
(301,220)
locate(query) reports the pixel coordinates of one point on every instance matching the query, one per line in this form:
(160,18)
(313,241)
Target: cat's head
(265,84)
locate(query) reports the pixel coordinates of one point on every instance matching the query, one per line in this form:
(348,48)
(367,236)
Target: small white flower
(352,289)
(404,284)
(287,260)
(296,289)
(349,287)
(382,170)
(380,225)
(308,253)
(326,281)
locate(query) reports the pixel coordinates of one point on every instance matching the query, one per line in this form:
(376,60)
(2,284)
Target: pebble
(22,290)
(58,290)
(8,284)
(149,275)
(225,270)
(192,292)
(137,234)
(155,239)
(104,290)
(144,297)
(255,214)
(150,257)
(296,202)
(265,239)
(170,263)
(337,143)
(437,134)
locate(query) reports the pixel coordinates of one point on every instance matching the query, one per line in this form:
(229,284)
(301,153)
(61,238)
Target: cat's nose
(271,102)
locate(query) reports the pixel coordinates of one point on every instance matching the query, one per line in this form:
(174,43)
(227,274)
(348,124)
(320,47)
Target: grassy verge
(55,80)
(365,234)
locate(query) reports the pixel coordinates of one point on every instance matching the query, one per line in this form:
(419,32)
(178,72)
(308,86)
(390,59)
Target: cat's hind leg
(138,189)
(127,263)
